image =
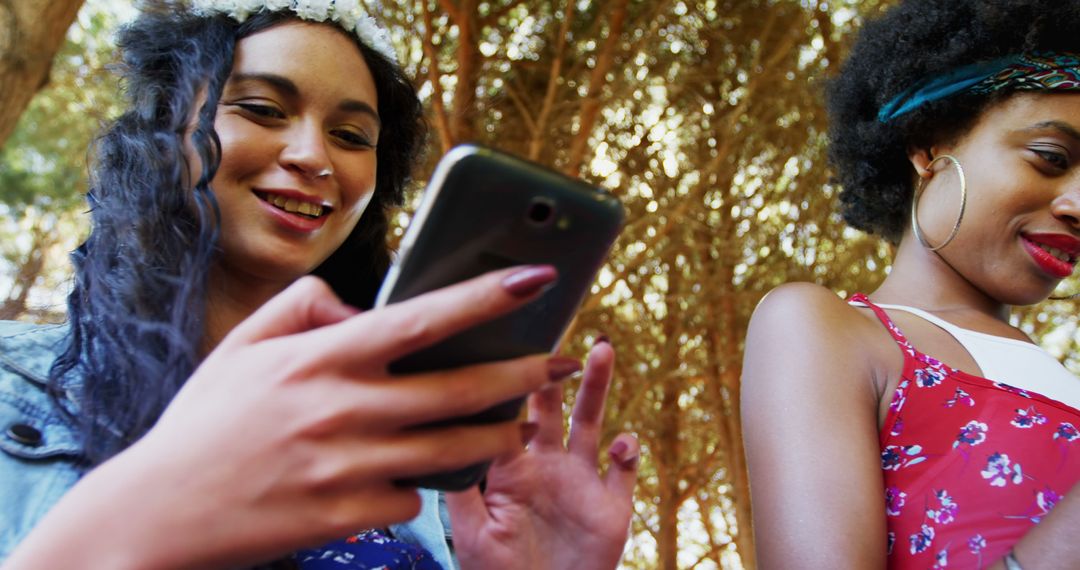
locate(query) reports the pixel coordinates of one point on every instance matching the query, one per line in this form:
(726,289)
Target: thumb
(307,304)
(468,512)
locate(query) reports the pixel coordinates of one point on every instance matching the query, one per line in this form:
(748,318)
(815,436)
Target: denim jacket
(40,453)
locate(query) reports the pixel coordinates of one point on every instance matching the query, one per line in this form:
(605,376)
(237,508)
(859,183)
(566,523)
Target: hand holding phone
(483,211)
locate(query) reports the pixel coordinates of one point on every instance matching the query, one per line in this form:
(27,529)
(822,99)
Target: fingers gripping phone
(483,211)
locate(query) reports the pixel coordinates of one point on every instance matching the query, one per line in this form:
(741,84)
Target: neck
(231,297)
(921,278)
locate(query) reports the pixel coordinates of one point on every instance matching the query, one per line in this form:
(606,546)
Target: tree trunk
(668,450)
(462,127)
(667,458)
(31,31)
(30,268)
(590,107)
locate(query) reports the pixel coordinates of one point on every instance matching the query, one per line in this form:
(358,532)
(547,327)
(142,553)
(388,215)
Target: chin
(1026,298)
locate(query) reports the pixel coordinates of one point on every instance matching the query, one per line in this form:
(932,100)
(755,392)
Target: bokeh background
(704,116)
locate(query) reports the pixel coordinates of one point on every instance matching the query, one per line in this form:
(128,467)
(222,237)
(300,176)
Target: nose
(1066,207)
(305,151)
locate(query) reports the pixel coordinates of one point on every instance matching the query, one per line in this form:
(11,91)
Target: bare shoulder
(809,411)
(805,337)
(808,312)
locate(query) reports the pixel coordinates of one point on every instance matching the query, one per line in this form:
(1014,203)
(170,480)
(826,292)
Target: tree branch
(451,10)
(521,106)
(442,123)
(590,107)
(537,138)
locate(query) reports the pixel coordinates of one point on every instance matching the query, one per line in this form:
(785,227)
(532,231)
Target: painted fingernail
(602,339)
(559,367)
(528,432)
(529,280)
(619,453)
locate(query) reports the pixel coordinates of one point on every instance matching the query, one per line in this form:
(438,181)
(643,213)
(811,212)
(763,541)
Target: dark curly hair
(137,308)
(910,42)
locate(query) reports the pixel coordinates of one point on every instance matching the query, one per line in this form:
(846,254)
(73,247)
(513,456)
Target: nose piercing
(324,173)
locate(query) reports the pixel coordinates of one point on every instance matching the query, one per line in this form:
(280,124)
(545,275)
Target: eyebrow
(290,89)
(1060,126)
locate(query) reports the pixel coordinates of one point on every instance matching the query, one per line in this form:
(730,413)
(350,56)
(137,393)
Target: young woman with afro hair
(915,427)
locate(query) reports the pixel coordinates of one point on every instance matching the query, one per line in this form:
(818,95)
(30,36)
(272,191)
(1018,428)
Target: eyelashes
(263,111)
(1053,157)
(354,139)
(272,116)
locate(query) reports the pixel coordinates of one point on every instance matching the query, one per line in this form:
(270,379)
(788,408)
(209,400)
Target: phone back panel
(491,195)
(480,214)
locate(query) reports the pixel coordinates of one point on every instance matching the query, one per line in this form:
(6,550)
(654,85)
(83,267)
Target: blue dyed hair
(137,307)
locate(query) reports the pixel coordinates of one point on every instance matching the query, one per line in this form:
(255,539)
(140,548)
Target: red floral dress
(970,464)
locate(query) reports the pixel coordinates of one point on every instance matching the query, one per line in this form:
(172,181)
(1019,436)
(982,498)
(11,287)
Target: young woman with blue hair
(209,405)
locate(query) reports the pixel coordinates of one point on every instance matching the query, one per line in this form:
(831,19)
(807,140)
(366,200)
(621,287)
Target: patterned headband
(1028,72)
(348,15)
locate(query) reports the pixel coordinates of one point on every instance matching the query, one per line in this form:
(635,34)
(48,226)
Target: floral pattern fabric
(969,464)
(369,550)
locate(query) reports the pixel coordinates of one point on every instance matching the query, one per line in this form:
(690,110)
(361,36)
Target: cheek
(939,206)
(194,163)
(242,152)
(358,184)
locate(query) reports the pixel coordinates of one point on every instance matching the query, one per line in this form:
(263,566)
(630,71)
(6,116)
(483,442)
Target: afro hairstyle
(914,40)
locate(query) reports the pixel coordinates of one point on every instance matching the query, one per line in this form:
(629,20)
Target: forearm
(1051,543)
(112,518)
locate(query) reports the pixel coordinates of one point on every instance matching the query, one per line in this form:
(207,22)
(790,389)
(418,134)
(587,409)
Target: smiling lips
(1054,253)
(293,205)
(294,210)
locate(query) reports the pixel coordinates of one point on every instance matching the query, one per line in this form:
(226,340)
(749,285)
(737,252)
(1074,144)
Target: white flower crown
(346,14)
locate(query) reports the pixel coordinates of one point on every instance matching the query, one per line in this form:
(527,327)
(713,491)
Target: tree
(43,171)
(30,33)
(706,119)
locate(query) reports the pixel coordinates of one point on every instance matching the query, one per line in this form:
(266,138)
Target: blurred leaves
(704,116)
(43,163)
(706,119)
(43,173)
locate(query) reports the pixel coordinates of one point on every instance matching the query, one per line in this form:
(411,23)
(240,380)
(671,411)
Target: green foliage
(709,125)
(704,116)
(43,163)
(43,173)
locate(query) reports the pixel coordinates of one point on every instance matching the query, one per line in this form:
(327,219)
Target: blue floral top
(369,550)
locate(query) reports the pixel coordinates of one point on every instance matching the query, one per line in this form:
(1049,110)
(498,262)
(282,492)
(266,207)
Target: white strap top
(1013,362)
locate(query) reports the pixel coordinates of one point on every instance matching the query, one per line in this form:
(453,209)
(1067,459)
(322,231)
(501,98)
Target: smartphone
(485,210)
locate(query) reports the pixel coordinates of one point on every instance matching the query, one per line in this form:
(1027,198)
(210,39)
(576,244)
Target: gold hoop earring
(915,204)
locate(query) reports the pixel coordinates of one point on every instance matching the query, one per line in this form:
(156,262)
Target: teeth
(1057,253)
(294,206)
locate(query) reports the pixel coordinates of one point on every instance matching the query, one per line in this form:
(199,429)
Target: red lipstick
(1036,244)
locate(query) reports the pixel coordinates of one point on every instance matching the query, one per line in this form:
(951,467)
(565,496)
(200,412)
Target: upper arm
(809,413)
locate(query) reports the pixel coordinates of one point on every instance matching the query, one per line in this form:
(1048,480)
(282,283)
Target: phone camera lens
(541,211)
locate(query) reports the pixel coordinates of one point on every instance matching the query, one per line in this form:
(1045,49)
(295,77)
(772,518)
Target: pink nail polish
(529,280)
(528,432)
(617,453)
(559,367)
